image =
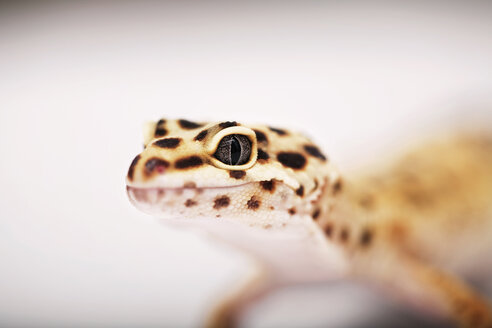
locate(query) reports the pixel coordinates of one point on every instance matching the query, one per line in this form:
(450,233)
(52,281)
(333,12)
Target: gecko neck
(297,252)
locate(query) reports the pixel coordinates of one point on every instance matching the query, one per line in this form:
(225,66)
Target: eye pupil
(234,149)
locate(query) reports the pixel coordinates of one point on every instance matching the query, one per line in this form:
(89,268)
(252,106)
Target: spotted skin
(408,220)
(280,174)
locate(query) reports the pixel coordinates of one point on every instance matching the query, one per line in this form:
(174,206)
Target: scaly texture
(178,175)
(273,194)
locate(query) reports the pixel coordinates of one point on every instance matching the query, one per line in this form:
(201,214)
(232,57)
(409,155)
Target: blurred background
(78,79)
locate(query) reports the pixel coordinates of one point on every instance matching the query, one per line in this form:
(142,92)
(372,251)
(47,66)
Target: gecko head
(190,169)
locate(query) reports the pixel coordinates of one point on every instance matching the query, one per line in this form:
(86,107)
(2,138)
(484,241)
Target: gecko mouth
(145,198)
(249,198)
(142,193)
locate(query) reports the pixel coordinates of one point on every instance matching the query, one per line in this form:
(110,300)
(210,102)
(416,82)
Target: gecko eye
(234,149)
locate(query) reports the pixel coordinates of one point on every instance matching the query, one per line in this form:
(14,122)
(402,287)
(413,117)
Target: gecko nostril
(156,165)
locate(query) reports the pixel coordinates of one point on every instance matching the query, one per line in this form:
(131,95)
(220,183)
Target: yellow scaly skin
(409,227)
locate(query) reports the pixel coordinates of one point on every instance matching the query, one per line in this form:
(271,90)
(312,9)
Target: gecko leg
(440,291)
(227,313)
(461,302)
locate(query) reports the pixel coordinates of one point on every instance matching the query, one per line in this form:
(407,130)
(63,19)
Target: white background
(77,80)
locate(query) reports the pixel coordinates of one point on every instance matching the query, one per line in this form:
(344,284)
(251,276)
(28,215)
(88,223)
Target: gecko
(408,226)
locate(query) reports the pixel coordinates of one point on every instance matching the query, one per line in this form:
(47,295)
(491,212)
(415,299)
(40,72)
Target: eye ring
(212,143)
(234,150)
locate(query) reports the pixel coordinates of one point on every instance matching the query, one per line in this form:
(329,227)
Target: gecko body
(273,194)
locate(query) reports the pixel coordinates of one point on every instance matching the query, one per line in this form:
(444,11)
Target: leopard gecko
(408,226)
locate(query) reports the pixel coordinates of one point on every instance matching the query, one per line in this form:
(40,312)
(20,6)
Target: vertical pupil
(235,151)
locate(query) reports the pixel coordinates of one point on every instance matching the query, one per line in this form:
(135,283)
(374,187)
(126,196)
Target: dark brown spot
(156,164)
(254,203)
(280,132)
(337,187)
(366,237)
(268,185)
(366,201)
(300,191)
(418,198)
(262,155)
(476,319)
(260,136)
(188,125)
(314,151)
(190,203)
(189,184)
(344,234)
(399,231)
(221,201)
(227,124)
(293,160)
(272,208)
(292,211)
(131,169)
(200,136)
(237,174)
(161,122)
(316,214)
(328,229)
(160,132)
(168,143)
(187,162)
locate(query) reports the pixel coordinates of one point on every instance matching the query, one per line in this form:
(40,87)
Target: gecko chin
(247,199)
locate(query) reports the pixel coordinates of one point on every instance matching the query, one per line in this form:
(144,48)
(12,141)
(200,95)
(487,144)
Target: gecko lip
(178,189)
(154,195)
